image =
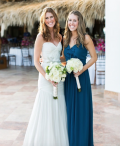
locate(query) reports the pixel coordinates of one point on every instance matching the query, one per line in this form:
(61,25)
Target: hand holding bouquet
(55,72)
(75,65)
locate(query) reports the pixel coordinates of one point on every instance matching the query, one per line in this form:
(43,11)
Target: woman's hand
(78,73)
(53,83)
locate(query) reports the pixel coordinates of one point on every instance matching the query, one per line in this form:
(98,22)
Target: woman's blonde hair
(81,30)
(43,28)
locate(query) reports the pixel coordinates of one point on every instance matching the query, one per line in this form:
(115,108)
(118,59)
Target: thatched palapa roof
(27,13)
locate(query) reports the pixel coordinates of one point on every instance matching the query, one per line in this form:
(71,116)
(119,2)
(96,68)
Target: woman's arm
(90,47)
(62,58)
(37,52)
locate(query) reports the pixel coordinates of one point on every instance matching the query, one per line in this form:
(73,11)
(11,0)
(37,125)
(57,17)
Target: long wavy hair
(81,30)
(43,28)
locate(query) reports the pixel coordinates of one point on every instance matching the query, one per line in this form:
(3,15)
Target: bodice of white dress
(50,53)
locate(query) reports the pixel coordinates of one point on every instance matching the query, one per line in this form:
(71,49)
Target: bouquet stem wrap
(55,92)
(78,84)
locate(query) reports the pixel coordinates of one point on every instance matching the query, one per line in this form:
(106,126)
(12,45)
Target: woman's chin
(72,29)
(50,26)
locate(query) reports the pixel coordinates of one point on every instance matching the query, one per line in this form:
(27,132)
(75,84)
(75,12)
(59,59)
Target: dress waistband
(51,61)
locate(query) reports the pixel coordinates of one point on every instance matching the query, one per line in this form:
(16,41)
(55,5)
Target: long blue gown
(79,104)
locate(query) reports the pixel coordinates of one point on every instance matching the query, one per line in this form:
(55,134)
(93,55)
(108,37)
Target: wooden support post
(25,28)
(0,46)
(3,60)
(0,41)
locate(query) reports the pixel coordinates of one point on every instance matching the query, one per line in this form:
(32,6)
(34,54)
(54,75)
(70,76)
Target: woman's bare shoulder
(60,36)
(87,39)
(39,36)
(39,39)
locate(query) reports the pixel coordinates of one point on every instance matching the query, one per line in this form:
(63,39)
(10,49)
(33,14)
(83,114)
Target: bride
(48,122)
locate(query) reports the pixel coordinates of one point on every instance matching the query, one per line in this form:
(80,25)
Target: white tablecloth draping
(100,79)
(17,51)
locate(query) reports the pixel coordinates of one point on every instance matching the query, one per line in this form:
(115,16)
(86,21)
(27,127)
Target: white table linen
(17,51)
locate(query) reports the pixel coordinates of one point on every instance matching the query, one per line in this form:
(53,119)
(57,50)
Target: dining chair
(26,57)
(100,66)
(5,50)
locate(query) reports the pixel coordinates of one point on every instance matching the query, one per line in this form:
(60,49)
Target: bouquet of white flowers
(75,65)
(55,72)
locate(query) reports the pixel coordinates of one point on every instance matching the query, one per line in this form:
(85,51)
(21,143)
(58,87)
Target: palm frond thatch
(27,13)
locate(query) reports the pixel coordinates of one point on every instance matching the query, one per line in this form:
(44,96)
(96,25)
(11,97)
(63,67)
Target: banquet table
(17,51)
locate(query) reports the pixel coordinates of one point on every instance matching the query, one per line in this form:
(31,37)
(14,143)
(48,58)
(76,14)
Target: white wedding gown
(48,122)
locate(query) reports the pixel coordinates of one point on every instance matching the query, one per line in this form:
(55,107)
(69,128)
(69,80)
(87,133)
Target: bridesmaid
(79,104)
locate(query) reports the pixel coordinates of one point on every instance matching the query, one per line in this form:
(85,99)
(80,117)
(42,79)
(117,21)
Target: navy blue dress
(79,104)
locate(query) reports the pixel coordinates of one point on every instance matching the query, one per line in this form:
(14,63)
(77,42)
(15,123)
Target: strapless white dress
(48,121)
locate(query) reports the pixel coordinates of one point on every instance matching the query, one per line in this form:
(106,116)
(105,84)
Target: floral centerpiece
(4,40)
(100,45)
(27,41)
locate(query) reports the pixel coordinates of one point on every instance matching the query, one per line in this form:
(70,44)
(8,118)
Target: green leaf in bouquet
(47,67)
(64,71)
(58,67)
(71,68)
(47,71)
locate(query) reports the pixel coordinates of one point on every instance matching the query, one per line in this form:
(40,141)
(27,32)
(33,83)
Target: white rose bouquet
(55,72)
(75,65)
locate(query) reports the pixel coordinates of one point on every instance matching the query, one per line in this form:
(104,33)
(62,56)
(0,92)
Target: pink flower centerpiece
(100,45)
(4,40)
(27,41)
